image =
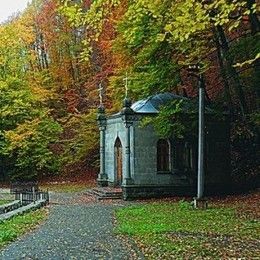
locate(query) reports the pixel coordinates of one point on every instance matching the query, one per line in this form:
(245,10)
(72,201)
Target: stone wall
(143,160)
(160,191)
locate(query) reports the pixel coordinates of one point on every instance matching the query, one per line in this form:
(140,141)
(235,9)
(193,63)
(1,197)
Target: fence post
(47,197)
(33,190)
(21,198)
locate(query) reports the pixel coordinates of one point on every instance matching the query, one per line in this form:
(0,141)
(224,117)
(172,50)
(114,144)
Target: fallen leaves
(162,230)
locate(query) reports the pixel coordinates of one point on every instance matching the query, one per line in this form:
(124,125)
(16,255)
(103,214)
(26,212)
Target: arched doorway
(118,162)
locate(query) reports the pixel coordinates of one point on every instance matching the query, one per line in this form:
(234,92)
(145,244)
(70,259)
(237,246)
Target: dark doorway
(118,162)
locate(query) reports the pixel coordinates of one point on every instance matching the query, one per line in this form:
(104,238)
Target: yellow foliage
(22,133)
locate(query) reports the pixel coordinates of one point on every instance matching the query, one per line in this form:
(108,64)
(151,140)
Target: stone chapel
(134,158)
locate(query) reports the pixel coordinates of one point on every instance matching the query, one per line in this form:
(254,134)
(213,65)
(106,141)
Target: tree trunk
(43,52)
(231,70)
(255,28)
(254,22)
(227,93)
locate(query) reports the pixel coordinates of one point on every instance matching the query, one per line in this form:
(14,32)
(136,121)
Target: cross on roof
(126,85)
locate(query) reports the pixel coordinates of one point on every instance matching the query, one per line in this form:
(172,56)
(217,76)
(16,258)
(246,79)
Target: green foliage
(50,55)
(84,138)
(93,20)
(184,205)
(171,120)
(152,68)
(30,143)
(14,56)
(26,130)
(155,77)
(239,50)
(190,23)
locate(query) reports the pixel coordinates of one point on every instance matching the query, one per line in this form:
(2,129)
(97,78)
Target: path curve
(74,230)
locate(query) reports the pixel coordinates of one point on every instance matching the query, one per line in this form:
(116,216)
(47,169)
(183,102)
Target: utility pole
(201,141)
(199,201)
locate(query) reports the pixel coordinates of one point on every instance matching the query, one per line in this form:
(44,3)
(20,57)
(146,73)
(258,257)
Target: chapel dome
(153,103)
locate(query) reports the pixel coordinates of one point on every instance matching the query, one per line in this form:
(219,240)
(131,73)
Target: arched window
(184,155)
(163,155)
(188,156)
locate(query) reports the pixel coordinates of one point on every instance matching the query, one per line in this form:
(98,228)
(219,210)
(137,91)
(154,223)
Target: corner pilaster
(127,117)
(102,123)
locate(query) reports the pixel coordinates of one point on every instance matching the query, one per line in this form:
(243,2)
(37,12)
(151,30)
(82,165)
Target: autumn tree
(159,40)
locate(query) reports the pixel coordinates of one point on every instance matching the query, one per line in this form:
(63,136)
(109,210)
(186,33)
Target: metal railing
(17,187)
(28,197)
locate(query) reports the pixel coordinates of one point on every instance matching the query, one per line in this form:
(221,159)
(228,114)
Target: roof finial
(126,86)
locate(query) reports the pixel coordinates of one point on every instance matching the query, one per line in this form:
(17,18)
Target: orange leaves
(72,100)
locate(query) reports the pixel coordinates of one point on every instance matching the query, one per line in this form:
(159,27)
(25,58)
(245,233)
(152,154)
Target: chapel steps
(105,193)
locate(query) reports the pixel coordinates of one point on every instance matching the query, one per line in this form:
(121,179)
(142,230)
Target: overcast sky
(8,7)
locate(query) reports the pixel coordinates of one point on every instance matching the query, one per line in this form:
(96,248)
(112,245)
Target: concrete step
(104,196)
(105,193)
(107,190)
(109,198)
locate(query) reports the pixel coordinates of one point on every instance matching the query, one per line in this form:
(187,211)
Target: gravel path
(77,228)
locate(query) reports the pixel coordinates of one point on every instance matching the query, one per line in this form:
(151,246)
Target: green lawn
(166,230)
(11,229)
(66,187)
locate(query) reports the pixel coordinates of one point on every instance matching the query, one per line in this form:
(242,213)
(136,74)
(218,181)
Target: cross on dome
(126,79)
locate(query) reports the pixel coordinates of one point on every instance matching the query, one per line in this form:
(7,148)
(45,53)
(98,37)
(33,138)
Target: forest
(56,54)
